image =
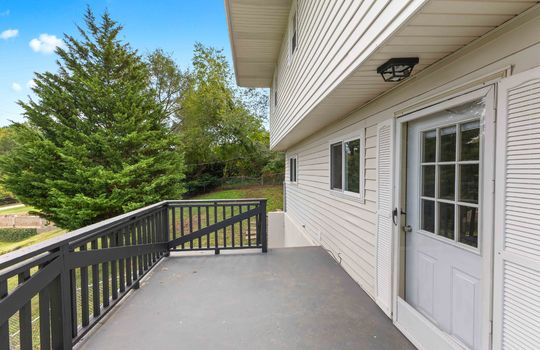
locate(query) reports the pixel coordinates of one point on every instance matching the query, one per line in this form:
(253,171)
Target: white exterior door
(444,267)
(516,318)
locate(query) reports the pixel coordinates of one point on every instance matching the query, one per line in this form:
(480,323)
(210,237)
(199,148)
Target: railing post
(264,233)
(61,305)
(166,228)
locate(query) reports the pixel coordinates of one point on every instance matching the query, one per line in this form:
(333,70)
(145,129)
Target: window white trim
(293,176)
(359,135)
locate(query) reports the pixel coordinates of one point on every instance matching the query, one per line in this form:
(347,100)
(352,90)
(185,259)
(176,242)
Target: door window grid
(445,210)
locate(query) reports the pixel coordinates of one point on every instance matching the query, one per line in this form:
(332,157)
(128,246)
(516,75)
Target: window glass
(292,169)
(428,180)
(336,166)
(448,144)
(470,141)
(352,166)
(294,36)
(429,146)
(447,181)
(428,215)
(468,225)
(468,191)
(450,174)
(446,220)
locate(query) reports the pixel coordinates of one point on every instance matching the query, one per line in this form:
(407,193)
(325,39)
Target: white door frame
(487,195)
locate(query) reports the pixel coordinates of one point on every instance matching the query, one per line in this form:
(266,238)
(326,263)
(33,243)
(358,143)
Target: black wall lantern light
(397,69)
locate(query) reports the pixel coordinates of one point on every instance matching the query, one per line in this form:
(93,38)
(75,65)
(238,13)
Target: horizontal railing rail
(53,293)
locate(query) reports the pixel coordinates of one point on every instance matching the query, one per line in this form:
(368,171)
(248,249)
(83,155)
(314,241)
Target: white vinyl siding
(348,227)
(517,269)
(332,36)
(346,224)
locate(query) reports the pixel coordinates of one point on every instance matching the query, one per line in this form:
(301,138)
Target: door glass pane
(468,183)
(429,145)
(336,166)
(447,181)
(428,215)
(352,166)
(428,180)
(470,140)
(446,220)
(468,225)
(448,144)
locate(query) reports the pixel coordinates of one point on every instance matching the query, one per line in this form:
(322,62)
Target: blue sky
(29,30)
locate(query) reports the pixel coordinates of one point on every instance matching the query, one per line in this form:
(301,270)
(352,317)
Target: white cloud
(10,33)
(45,43)
(31,84)
(16,87)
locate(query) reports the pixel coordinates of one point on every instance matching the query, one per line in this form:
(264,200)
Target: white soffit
(256,29)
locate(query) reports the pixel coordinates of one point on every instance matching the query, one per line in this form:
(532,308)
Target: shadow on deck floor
(293,298)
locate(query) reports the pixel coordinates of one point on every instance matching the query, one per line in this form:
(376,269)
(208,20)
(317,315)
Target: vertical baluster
(156,229)
(241,229)
(207,224)
(249,225)
(173,211)
(216,243)
(140,233)
(190,218)
(232,227)
(257,229)
(224,228)
(73,285)
(85,307)
(132,237)
(264,228)
(4,328)
(121,262)
(150,238)
(199,223)
(105,272)
(145,240)
(114,267)
(181,212)
(25,317)
(127,235)
(95,283)
(44,317)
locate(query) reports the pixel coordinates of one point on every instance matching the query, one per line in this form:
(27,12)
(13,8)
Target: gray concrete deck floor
(293,298)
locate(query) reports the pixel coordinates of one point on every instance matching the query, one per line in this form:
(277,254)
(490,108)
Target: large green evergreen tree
(96,141)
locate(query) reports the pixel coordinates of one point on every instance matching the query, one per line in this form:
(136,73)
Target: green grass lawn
(273,193)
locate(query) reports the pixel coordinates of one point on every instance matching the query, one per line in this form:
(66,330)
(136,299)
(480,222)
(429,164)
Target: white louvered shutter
(384,215)
(517,214)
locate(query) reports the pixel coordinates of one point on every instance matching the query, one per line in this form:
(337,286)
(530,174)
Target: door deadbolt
(407,228)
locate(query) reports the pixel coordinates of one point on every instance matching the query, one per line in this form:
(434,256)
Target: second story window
(293,32)
(294,36)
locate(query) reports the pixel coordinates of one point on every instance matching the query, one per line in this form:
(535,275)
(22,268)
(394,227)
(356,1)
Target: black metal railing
(53,293)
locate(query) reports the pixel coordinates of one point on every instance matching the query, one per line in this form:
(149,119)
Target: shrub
(16,234)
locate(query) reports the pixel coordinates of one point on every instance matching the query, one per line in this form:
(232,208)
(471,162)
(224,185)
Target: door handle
(395,214)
